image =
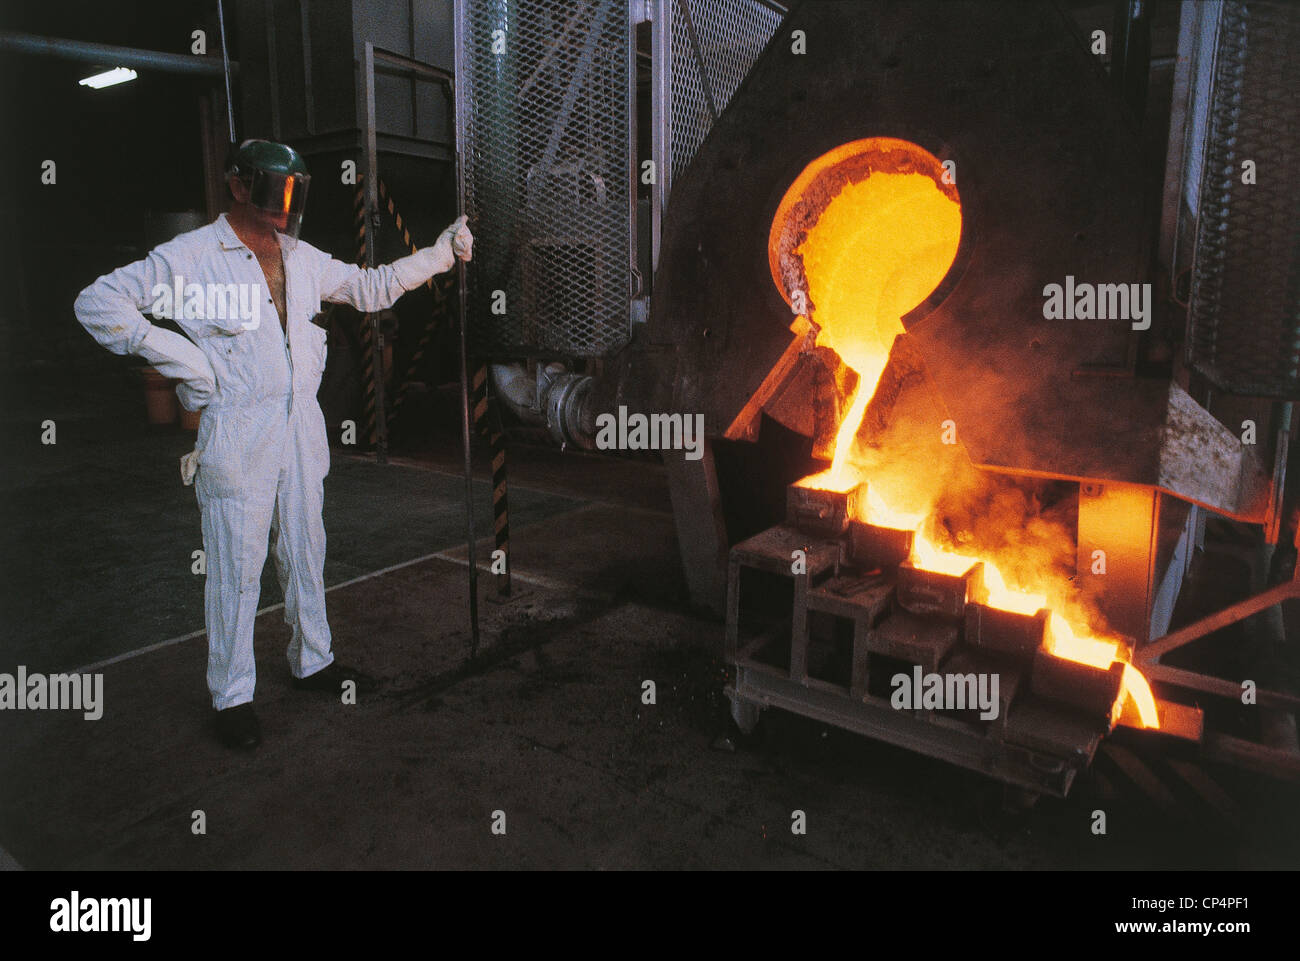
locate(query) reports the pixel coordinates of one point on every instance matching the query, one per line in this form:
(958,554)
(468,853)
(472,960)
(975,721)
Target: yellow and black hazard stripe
(440,302)
(387,202)
(367,338)
(485,422)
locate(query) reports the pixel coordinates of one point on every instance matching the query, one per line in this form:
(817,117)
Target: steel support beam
(1150,654)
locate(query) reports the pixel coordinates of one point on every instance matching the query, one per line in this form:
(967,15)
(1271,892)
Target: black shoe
(237,727)
(331,677)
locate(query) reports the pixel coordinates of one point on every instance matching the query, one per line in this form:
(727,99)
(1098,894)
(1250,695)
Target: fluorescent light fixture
(109,77)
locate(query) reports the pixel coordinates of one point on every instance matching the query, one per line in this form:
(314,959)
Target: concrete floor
(546,724)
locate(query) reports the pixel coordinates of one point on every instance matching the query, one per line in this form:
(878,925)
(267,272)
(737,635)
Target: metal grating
(731,35)
(1244,317)
(548,173)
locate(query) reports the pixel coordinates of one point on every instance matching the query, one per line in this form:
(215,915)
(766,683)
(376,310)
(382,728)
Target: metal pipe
(517,391)
(107,55)
(567,406)
(556,399)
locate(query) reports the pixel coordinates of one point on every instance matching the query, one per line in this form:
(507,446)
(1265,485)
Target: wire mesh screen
(544,91)
(729,35)
(1245,309)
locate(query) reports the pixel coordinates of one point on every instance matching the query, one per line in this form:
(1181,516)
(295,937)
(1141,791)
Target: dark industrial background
(546,720)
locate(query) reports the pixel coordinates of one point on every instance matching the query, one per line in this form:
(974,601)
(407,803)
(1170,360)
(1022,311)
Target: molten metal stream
(877,250)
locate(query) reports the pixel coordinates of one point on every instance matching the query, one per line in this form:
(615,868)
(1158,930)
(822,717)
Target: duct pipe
(555,398)
(107,55)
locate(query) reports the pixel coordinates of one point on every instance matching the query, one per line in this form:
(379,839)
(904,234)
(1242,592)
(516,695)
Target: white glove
(415,269)
(189,467)
(462,241)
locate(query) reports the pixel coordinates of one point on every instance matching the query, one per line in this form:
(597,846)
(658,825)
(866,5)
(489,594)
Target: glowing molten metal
(877,250)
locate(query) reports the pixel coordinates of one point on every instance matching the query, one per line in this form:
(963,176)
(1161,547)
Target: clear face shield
(280,199)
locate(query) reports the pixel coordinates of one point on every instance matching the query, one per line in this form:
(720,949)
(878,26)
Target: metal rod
(470,537)
(458,115)
(225,70)
(395,63)
(1277,493)
(1195,681)
(576,81)
(705,86)
(107,55)
(1150,653)
(372,152)
(554,48)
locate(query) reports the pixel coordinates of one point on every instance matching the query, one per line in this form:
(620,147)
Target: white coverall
(262,449)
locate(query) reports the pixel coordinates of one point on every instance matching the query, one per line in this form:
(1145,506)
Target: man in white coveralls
(262,453)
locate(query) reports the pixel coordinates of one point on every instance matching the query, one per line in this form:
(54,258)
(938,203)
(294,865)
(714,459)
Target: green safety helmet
(277,180)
